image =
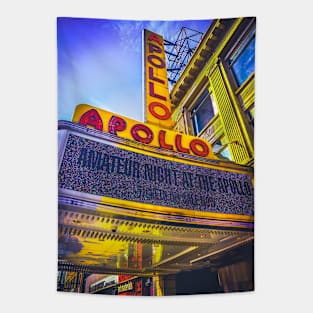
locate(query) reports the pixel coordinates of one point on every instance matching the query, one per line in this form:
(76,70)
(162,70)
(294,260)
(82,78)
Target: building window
(242,62)
(250,114)
(203,111)
(221,150)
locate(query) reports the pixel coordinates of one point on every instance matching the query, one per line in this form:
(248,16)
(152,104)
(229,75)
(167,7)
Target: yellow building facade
(214,96)
(214,99)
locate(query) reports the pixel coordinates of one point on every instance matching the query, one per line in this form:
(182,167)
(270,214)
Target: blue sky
(100,62)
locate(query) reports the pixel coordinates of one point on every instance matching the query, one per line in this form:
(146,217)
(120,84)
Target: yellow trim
(238,112)
(174,211)
(153,216)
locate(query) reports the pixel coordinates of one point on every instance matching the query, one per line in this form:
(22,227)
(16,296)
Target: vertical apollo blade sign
(157,106)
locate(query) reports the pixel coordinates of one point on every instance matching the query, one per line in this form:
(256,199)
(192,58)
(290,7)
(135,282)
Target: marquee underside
(107,242)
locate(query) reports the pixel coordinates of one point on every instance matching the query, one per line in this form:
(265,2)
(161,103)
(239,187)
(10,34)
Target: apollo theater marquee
(140,198)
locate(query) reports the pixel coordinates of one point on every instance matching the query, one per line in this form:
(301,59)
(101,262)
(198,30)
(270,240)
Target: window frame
(238,44)
(206,93)
(238,53)
(250,115)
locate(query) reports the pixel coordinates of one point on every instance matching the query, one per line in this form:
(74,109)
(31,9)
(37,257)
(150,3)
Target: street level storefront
(131,286)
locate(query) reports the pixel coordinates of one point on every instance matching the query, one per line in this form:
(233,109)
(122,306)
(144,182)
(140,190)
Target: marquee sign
(141,132)
(149,182)
(156,96)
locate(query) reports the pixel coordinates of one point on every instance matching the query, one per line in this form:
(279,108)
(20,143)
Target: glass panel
(217,146)
(202,113)
(250,114)
(222,150)
(226,154)
(213,104)
(245,63)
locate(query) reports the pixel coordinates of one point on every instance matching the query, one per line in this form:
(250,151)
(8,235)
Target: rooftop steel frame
(179,52)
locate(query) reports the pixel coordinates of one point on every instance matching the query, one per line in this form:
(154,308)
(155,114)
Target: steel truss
(179,52)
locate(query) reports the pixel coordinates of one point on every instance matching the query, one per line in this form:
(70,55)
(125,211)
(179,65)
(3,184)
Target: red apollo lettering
(144,134)
(153,94)
(154,48)
(194,146)
(178,144)
(152,77)
(91,118)
(135,133)
(159,64)
(156,38)
(116,124)
(162,143)
(165,116)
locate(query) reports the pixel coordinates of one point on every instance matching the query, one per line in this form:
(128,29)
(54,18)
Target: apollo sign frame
(157,105)
(132,206)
